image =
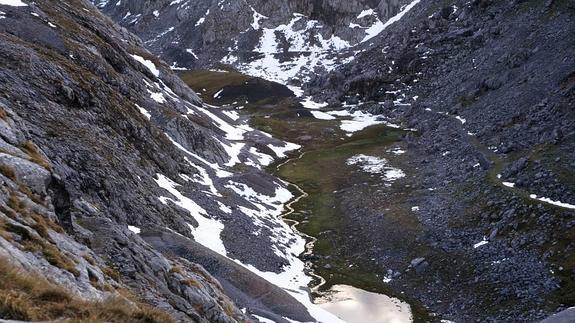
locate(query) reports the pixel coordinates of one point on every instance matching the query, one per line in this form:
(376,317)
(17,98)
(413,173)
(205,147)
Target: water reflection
(355,305)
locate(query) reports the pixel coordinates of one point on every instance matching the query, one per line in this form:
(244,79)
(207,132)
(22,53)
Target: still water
(355,305)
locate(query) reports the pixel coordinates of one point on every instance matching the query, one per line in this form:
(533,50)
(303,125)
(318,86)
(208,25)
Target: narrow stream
(310,241)
(348,302)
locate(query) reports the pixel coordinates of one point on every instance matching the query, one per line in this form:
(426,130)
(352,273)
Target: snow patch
(13,3)
(190,51)
(144,112)
(231,114)
(376,165)
(360,120)
(217,94)
(322,115)
(379,26)
(208,232)
(552,202)
(202,19)
(157,96)
(148,64)
(480,243)
(364,13)
(307,52)
(281,151)
(292,278)
(309,103)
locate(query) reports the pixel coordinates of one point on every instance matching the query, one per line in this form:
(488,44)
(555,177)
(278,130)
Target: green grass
(212,81)
(320,172)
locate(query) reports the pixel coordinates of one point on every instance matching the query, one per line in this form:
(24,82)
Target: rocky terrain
(489,88)
(103,148)
(122,185)
(279,40)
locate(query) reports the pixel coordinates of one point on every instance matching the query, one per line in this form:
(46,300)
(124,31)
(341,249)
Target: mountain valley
(287,161)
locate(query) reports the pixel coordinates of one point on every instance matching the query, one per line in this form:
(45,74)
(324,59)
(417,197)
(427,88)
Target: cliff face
(100,144)
(279,40)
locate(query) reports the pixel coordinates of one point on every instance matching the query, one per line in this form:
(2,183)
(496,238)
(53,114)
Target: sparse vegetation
(27,296)
(229,309)
(89,259)
(26,190)
(212,81)
(112,273)
(56,258)
(3,114)
(35,155)
(8,171)
(39,242)
(192,283)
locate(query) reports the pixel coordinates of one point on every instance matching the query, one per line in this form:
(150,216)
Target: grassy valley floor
(345,202)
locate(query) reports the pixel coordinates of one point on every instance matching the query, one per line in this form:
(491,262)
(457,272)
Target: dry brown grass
(16,204)
(3,114)
(35,156)
(8,171)
(29,297)
(26,190)
(56,258)
(41,221)
(192,283)
(41,225)
(89,259)
(112,273)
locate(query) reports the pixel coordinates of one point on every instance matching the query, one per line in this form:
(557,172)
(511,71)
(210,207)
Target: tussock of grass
(89,259)
(56,258)
(26,190)
(32,243)
(35,155)
(112,273)
(192,283)
(3,114)
(8,171)
(29,297)
(29,240)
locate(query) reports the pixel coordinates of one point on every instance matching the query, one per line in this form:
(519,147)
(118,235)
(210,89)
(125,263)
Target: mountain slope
(277,40)
(488,87)
(105,148)
(129,168)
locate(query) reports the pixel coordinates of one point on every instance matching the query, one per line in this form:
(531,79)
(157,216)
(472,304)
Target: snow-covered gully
(289,210)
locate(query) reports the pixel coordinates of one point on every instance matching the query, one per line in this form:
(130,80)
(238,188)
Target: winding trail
(293,224)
